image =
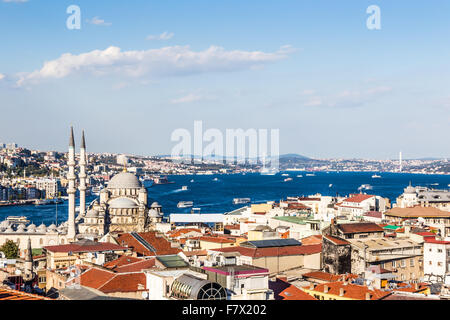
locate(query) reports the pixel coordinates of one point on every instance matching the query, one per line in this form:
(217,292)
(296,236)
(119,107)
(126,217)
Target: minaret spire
(71,188)
(82,176)
(28,271)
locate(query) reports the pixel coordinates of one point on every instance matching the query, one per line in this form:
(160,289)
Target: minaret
(28,270)
(82,176)
(71,189)
(400,161)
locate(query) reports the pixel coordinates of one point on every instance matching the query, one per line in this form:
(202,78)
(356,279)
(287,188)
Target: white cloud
(2,76)
(163,36)
(166,61)
(99,22)
(346,98)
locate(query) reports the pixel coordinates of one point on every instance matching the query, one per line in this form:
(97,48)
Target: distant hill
(293,156)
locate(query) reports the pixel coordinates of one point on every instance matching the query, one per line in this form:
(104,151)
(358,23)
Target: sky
(136,71)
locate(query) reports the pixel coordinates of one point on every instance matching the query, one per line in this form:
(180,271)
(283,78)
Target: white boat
(310,175)
(192,180)
(375,176)
(299,176)
(365,187)
(330,185)
(285,175)
(185,204)
(184,188)
(241,200)
(287,179)
(215,179)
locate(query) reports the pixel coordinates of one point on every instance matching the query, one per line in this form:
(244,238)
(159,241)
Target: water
(217,196)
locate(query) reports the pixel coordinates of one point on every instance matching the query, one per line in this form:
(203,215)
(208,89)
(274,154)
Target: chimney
(341,292)
(368,296)
(325,289)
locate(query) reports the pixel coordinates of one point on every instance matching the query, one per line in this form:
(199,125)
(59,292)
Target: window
(440,250)
(411,262)
(394,264)
(403,263)
(439,264)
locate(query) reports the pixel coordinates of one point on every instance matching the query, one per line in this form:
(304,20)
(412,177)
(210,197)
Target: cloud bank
(166,61)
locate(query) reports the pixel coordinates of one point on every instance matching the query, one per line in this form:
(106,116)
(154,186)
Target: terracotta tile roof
(137,266)
(125,282)
(315,239)
(121,261)
(403,287)
(195,253)
(8,294)
(352,291)
(358,198)
(336,241)
(373,214)
(95,277)
(285,291)
(416,212)
(325,276)
(273,251)
(88,246)
(232,227)
(161,245)
(216,239)
(181,232)
(433,240)
(359,227)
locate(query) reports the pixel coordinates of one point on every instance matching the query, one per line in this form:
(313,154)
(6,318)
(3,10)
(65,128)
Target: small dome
(9,230)
(153,213)
(4,224)
(42,228)
(31,230)
(122,203)
(33,226)
(21,228)
(92,213)
(410,190)
(52,226)
(155,205)
(124,180)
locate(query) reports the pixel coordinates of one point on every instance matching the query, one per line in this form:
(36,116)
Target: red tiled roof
(373,214)
(8,294)
(357,198)
(325,276)
(79,247)
(216,239)
(232,227)
(432,240)
(285,291)
(137,266)
(125,282)
(352,291)
(274,251)
(181,232)
(121,261)
(416,212)
(314,239)
(360,227)
(162,246)
(95,277)
(336,241)
(195,253)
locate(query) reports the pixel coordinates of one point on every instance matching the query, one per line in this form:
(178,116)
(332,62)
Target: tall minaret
(28,268)
(400,161)
(71,189)
(82,176)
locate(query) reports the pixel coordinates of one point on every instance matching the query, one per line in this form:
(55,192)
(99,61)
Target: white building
(436,256)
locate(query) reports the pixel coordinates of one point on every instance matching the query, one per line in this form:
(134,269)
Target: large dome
(124,180)
(122,203)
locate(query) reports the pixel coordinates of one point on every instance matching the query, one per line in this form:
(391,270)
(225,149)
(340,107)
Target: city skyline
(334,88)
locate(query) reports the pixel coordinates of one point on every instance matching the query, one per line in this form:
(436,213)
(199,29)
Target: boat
(215,179)
(17,219)
(192,180)
(299,176)
(47,202)
(310,175)
(365,187)
(96,190)
(375,176)
(185,204)
(330,185)
(285,175)
(287,179)
(241,200)
(161,180)
(184,188)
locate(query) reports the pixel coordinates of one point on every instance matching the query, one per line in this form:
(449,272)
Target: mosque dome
(124,180)
(21,228)
(155,205)
(410,190)
(4,224)
(9,230)
(122,203)
(42,228)
(92,213)
(32,226)
(152,213)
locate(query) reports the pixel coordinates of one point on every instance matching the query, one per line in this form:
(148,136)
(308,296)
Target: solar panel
(271,243)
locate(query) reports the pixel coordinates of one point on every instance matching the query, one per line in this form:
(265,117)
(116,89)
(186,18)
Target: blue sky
(137,70)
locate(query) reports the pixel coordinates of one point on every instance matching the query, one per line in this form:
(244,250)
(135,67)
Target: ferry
(185,204)
(241,200)
(285,175)
(17,219)
(299,176)
(161,180)
(287,179)
(184,188)
(47,202)
(310,175)
(365,187)
(96,190)
(375,176)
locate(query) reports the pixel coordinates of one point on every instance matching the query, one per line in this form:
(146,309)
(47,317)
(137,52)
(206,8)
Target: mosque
(121,207)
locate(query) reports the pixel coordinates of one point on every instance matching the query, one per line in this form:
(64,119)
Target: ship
(310,175)
(161,180)
(241,200)
(365,187)
(17,219)
(287,179)
(96,190)
(184,188)
(375,176)
(285,175)
(185,204)
(299,176)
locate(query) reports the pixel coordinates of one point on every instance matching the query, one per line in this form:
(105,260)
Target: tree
(10,249)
